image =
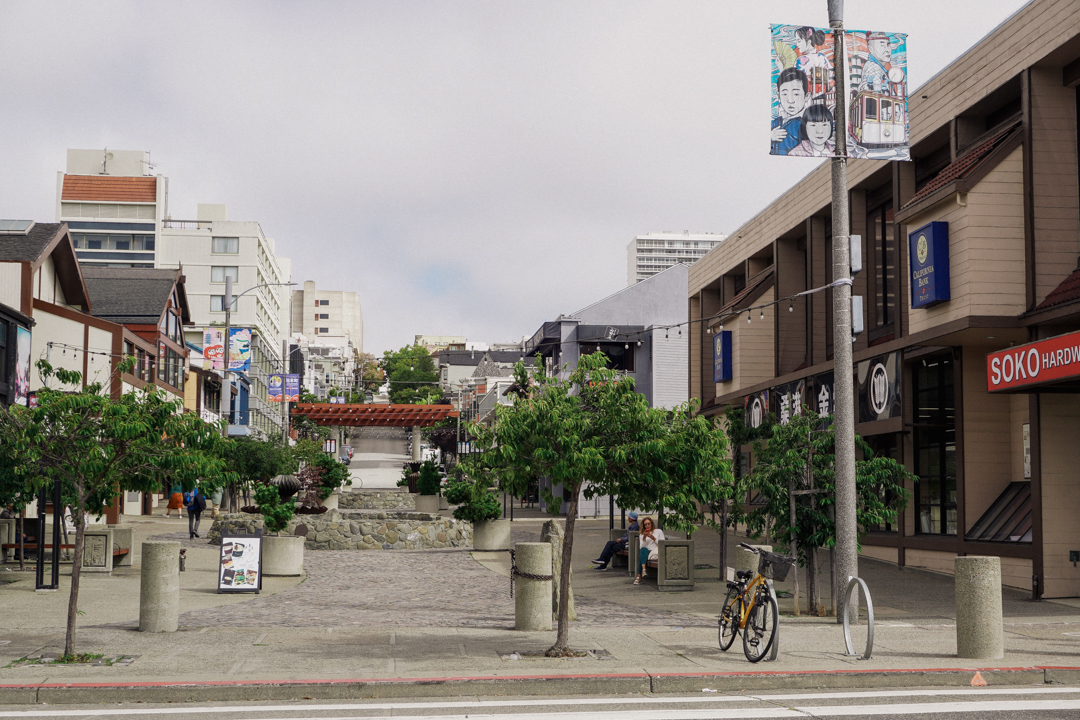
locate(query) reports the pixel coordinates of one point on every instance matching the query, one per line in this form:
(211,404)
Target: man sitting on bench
(614,546)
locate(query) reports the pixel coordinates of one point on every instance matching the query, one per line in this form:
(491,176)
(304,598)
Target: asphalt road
(1019,703)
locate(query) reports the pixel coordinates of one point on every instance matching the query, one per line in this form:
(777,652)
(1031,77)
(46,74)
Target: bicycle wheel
(729,618)
(760,627)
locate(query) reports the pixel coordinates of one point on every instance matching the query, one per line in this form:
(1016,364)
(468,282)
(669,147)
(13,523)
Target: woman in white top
(649,537)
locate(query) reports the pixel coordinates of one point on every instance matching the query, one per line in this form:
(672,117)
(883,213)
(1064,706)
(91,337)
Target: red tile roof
(1068,290)
(960,167)
(109,189)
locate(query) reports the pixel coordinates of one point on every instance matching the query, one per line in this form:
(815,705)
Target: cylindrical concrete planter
(159,593)
(331,503)
(980,629)
(444,504)
(282,555)
(427,503)
(491,535)
(532,598)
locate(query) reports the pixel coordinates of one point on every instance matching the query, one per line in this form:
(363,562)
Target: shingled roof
(130,295)
(1067,291)
(28,247)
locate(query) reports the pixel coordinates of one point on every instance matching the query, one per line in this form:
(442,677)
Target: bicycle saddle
(744,574)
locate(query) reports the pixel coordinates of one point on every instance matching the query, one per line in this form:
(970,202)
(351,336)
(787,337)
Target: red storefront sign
(1036,363)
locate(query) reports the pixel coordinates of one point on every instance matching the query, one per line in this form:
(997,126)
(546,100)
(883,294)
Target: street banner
(241,564)
(22,366)
(275,387)
(240,348)
(292,388)
(803,87)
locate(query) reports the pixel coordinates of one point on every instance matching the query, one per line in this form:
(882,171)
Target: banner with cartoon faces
(803,80)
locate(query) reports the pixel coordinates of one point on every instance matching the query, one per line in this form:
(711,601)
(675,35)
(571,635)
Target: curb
(550,685)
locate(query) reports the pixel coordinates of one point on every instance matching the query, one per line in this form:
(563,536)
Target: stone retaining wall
(359,530)
(377,500)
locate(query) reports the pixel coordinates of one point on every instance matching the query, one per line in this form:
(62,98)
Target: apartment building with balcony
(966,372)
(652,253)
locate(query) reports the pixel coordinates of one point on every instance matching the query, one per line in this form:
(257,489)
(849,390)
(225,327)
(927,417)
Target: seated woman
(649,537)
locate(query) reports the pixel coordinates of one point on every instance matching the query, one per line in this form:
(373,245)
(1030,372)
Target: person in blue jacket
(792,87)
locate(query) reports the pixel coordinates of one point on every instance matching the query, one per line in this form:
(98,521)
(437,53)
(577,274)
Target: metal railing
(188,224)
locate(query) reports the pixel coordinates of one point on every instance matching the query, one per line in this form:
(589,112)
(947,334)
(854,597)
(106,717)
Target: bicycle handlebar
(751,548)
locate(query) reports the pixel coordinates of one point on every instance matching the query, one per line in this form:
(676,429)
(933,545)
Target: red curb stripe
(597,676)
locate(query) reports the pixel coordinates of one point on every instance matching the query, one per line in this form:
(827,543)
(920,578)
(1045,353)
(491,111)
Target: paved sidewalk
(393,623)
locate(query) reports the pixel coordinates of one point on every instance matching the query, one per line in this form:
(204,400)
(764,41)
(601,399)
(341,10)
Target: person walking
(650,536)
(196,503)
(616,546)
(176,501)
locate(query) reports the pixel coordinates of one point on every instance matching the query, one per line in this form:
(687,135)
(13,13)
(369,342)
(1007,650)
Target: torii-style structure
(370,415)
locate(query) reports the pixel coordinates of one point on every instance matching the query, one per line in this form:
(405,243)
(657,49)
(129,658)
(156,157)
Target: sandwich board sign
(241,564)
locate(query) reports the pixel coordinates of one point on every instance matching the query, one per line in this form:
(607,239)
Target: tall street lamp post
(226,384)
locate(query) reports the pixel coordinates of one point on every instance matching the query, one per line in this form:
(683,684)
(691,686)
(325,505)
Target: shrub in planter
(475,501)
(334,474)
(429,481)
(276,514)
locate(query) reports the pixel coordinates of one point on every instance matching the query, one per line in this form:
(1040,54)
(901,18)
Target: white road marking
(704,713)
(941,707)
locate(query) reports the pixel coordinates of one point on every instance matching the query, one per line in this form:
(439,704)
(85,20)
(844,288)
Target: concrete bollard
(746,560)
(159,595)
(532,598)
(980,629)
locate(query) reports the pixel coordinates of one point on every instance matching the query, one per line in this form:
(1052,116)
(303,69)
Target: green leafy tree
(369,376)
(255,462)
(98,447)
(412,374)
(592,431)
(798,457)
(429,480)
(276,514)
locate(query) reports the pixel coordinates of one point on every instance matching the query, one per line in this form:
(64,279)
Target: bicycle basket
(774,566)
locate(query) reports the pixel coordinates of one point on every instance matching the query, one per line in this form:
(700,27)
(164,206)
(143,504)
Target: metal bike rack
(852,582)
(775,651)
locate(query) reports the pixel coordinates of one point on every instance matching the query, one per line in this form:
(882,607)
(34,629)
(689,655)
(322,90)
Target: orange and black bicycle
(750,606)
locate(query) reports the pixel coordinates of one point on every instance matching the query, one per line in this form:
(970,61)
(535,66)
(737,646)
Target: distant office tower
(649,254)
(113,206)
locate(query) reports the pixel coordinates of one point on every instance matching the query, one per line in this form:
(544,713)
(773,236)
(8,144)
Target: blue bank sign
(721,356)
(928,248)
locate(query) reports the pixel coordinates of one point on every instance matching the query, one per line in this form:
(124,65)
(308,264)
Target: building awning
(375,415)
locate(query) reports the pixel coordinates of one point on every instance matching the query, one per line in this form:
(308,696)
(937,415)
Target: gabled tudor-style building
(152,305)
(968,370)
(42,290)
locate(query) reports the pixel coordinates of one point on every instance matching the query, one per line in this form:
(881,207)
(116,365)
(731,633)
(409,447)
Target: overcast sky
(468,168)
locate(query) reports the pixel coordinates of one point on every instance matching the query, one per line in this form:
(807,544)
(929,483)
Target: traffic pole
(847,561)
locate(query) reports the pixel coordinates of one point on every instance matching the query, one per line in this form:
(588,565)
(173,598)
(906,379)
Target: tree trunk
(20,530)
(561,648)
(76,571)
(811,580)
(723,539)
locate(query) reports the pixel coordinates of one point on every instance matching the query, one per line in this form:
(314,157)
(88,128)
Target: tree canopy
(412,374)
(98,447)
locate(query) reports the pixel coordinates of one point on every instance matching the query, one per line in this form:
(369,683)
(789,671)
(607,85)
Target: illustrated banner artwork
(292,388)
(241,564)
(804,93)
(240,348)
(275,387)
(756,409)
(22,366)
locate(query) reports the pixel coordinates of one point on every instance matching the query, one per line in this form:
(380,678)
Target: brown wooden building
(994,186)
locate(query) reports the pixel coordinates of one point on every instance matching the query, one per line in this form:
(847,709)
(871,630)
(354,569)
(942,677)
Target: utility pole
(284,402)
(226,386)
(847,560)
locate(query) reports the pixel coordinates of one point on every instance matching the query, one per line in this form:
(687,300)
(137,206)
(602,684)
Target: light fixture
(791,306)
(680,331)
(762,313)
(665,333)
(747,318)
(639,343)
(721,326)
(626,346)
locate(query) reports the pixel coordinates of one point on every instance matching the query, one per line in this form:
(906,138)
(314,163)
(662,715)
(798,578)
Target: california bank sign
(1037,363)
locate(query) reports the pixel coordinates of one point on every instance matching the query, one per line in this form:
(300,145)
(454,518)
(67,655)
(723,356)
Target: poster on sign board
(22,366)
(240,568)
(239,348)
(756,409)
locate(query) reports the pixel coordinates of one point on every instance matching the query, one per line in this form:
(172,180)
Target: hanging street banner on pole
(292,388)
(240,348)
(803,84)
(275,386)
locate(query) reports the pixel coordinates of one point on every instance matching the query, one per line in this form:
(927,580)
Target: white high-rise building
(328,325)
(113,206)
(649,254)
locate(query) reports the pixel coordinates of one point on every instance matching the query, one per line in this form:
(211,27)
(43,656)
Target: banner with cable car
(803,87)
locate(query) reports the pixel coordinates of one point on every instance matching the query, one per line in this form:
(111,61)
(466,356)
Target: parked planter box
(282,555)
(491,535)
(427,503)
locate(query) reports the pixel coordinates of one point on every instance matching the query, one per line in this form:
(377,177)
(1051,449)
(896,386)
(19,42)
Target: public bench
(673,567)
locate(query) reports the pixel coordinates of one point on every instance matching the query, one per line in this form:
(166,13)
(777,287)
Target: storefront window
(885,446)
(934,410)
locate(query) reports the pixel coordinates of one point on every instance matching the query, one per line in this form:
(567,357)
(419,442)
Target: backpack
(199,501)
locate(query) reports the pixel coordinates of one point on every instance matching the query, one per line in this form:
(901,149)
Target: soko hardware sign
(1037,363)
